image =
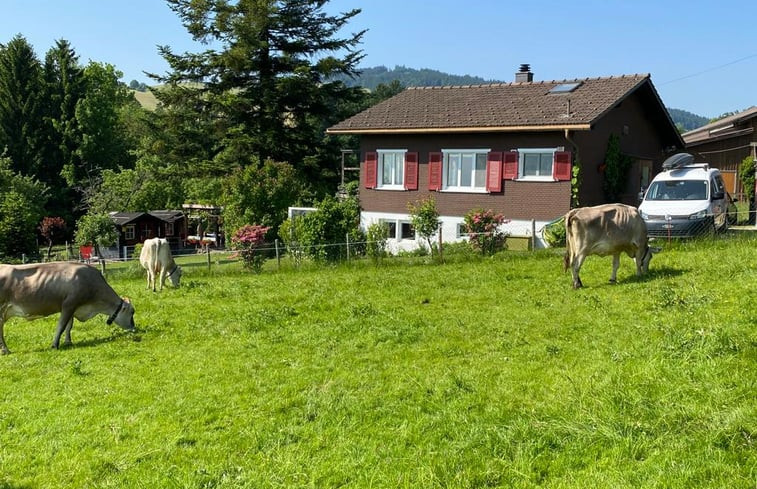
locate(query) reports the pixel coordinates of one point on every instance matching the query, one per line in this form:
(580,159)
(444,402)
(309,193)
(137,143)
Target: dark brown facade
(580,123)
(724,144)
(136,227)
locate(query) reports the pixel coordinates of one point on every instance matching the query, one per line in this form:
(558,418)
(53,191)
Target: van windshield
(677,190)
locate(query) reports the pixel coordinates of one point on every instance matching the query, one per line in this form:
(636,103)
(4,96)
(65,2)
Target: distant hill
(686,121)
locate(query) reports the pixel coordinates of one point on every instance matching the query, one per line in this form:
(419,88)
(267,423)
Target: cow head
(647,258)
(125,315)
(175,275)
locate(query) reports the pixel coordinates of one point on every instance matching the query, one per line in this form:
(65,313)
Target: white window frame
(395,153)
(130,231)
(522,152)
(169,229)
(397,225)
(472,188)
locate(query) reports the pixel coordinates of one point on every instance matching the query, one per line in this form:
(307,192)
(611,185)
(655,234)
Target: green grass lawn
(477,373)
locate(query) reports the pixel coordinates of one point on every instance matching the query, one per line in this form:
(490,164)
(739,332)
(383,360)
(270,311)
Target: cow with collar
(75,290)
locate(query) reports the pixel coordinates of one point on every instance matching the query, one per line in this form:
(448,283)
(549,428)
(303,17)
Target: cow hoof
(4,351)
(612,281)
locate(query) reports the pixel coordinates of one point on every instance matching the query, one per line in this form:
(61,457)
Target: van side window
(718,186)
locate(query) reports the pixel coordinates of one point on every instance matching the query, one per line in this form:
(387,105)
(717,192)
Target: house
(136,227)
(509,147)
(724,144)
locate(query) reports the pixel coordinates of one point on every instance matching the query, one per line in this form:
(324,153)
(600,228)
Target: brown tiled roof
(494,107)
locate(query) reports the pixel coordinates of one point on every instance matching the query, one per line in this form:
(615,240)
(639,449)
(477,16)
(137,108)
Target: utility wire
(710,69)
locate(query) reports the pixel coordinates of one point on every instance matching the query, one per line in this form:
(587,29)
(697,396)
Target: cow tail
(568,254)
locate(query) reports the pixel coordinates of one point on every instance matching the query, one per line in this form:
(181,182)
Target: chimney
(524,74)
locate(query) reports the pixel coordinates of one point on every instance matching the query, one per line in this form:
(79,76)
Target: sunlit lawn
(477,373)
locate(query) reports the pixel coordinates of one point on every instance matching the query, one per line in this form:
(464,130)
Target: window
(536,164)
(465,170)
(130,231)
(169,229)
(391,169)
(406,230)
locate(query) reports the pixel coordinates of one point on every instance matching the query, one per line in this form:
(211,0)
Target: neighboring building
(136,227)
(507,147)
(724,144)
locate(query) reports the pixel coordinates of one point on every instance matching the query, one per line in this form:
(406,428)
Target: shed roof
(518,106)
(727,127)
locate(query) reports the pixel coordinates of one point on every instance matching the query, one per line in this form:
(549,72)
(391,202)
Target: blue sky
(702,56)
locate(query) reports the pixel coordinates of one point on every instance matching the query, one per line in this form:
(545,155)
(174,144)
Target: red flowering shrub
(483,230)
(247,240)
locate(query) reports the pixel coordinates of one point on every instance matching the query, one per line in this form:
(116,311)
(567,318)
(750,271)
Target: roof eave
(448,130)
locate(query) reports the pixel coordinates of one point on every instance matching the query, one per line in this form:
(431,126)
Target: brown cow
(75,290)
(609,229)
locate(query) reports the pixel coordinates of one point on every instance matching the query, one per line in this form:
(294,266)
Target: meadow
(479,372)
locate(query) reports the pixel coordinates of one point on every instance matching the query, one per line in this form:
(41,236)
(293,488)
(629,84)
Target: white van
(685,200)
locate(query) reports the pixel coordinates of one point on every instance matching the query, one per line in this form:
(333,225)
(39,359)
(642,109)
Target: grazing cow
(157,260)
(609,229)
(75,290)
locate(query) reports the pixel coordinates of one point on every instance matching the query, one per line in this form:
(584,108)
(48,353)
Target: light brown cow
(609,229)
(75,290)
(156,258)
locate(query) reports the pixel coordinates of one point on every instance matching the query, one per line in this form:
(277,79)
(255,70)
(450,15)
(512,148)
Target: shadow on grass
(135,336)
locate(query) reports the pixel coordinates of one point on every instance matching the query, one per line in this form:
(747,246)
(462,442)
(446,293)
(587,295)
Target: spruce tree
(20,116)
(264,89)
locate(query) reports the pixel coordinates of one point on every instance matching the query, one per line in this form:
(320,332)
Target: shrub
(554,232)
(378,233)
(483,230)
(247,240)
(425,219)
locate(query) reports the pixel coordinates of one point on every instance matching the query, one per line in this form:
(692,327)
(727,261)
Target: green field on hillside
(485,372)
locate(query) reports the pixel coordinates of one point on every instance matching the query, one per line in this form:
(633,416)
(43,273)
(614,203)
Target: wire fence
(530,235)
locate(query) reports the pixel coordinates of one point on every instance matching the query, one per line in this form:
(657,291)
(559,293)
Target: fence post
(278,258)
(102,265)
(533,234)
(208,253)
(126,254)
(441,246)
(23,257)
(348,246)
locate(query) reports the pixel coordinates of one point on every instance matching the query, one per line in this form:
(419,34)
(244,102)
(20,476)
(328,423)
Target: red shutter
(561,166)
(434,171)
(494,172)
(510,165)
(411,171)
(371,169)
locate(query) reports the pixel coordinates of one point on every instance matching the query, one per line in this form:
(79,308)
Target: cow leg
(615,266)
(70,325)
(578,260)
(3,349)
(66,316)
(162,277)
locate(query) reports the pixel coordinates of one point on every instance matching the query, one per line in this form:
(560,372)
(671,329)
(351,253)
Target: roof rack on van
(677,161)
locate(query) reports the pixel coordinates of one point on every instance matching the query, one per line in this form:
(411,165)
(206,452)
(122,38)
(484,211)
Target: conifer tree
(264,90)
(20,117)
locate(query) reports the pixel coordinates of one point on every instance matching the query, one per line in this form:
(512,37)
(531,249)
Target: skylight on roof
(565,87)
